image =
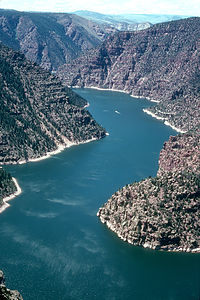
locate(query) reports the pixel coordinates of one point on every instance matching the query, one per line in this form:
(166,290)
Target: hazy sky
(179,7)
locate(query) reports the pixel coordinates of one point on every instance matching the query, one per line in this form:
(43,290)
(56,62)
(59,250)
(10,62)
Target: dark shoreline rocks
(5,293)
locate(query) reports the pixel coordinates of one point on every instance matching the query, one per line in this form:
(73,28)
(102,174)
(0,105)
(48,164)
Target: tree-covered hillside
(38,114)
(7,185)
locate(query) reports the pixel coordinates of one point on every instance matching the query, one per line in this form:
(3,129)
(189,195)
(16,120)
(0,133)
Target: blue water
(52,244)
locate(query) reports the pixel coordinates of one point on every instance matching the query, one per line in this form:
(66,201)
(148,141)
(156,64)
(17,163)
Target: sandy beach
(175,128)
(12,196)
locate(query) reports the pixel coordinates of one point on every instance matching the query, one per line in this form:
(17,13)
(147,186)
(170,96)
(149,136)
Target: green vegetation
(37,112)
(162,212)
(7,186)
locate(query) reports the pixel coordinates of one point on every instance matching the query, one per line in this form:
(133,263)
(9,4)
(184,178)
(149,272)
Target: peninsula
(163,212)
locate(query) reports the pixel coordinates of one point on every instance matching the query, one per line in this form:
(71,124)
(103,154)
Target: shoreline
(163,119)
(114,90)
(146,98)
(144,109)
(146,245)
(48,155)
(12,196)
(87,105)
(60,148)
(173,127)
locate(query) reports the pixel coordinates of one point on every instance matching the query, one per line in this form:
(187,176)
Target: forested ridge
(37,112)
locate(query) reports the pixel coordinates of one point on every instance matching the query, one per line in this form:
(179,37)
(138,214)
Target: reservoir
(53,246)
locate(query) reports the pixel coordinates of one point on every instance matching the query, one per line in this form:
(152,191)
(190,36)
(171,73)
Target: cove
(52,244)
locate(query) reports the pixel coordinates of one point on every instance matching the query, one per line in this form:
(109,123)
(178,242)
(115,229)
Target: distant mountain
(125,22)
(161,63)
(50,39)
(38,114)
(5,293)
(151,18)
(7,187)
(120,22)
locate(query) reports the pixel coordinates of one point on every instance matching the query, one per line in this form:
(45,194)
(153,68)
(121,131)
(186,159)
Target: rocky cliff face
(38,114)
(50,39)
(5,293)
(162,212)
(181,153)
(160,63)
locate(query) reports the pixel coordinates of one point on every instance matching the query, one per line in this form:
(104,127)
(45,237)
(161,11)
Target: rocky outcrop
(38,114)
(5,293)
(160,63)
(162,212)
(50,39)
(181,153)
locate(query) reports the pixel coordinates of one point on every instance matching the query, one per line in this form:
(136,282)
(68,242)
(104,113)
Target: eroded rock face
(50,39)
(5,293)
(162,212)
(156,62)
(160,63)
(181,153)
(38,114)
